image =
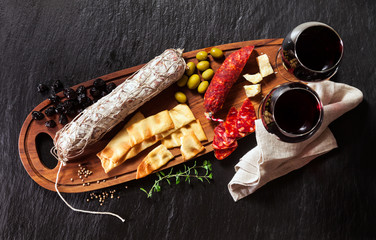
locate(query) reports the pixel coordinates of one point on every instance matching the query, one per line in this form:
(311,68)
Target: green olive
(193,81)
(180,97)
(203,65)
(182,81)
(203,86)
(191,67)
(216,52)
(202,55)
(207,74)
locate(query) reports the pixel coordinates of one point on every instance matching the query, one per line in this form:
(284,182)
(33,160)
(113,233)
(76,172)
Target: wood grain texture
(331,198)
(46,177)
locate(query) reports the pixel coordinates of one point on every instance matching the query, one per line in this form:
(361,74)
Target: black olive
(111,86)
(84,101)
(55,99)
(104,93)
(42,88)
(36,115)
(95,92)
(50,111)
(99,83)
(70,112)
(70,93)
(59,108)
(56,86)
(81,90)
(81,97)
(63,119)
(68,105)
(50,124)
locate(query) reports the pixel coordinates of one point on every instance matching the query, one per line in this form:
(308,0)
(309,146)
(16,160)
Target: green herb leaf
(187,174)
(144,191)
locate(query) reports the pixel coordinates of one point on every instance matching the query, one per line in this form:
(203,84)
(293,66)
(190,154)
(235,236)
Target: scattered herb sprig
(201,172)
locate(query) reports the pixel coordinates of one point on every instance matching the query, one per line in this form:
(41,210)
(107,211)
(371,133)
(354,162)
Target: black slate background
(333,197)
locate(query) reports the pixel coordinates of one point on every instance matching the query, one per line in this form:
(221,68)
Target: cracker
(181,115)
(158,157)
(149,127)
(173,140)
(190,145)
(111,155)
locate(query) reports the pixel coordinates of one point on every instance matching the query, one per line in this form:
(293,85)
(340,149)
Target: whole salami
(95,121)
(224,78)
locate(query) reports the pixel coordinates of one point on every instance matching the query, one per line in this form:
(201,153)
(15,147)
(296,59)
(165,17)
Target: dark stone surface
(333,197)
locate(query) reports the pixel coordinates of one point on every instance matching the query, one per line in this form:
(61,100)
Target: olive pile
(192,80)
(76,100)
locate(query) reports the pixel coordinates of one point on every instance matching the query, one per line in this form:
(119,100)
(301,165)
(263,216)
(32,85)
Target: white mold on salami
(98,119)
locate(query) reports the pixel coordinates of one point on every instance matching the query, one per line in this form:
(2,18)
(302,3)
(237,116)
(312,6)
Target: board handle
(30,133)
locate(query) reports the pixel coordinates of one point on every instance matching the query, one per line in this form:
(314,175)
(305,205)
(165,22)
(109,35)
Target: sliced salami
(230,123)
(221,140)
(221,154)
(246,118)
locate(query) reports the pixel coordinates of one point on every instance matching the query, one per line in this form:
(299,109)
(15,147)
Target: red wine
(319,48)
(297,111)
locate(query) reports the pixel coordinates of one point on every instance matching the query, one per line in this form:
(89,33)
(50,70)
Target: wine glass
(292,111)
(311,52)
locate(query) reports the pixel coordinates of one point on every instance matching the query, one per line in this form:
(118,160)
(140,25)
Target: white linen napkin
(272,158)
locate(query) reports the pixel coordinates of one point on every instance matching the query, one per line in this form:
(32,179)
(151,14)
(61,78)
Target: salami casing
(224,78)
(95,121)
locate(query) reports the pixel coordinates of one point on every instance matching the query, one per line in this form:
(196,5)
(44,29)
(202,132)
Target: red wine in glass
(311,52)
(292,111)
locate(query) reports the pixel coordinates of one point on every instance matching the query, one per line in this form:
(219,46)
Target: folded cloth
(272,158)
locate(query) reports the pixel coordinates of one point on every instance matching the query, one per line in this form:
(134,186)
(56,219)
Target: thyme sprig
(201,172)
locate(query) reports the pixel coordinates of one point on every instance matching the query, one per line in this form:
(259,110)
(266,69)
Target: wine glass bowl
(292,111)
(311,52)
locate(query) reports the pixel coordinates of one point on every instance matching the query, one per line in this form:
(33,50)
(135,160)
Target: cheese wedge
(173,140)
(252,90)
(158,157)
(253,78)
(190,145)
(264,65)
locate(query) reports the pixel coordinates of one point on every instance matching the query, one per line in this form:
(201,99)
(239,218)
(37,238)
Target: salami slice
(237,124)
(246,118)
(221,140)
(221,154)
(231,123)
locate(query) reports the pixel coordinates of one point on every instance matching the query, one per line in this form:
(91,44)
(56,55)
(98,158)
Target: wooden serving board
(46,177)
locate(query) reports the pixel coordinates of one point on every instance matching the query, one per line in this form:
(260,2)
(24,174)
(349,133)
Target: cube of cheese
(252,90)
(264,65)
(253,78)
